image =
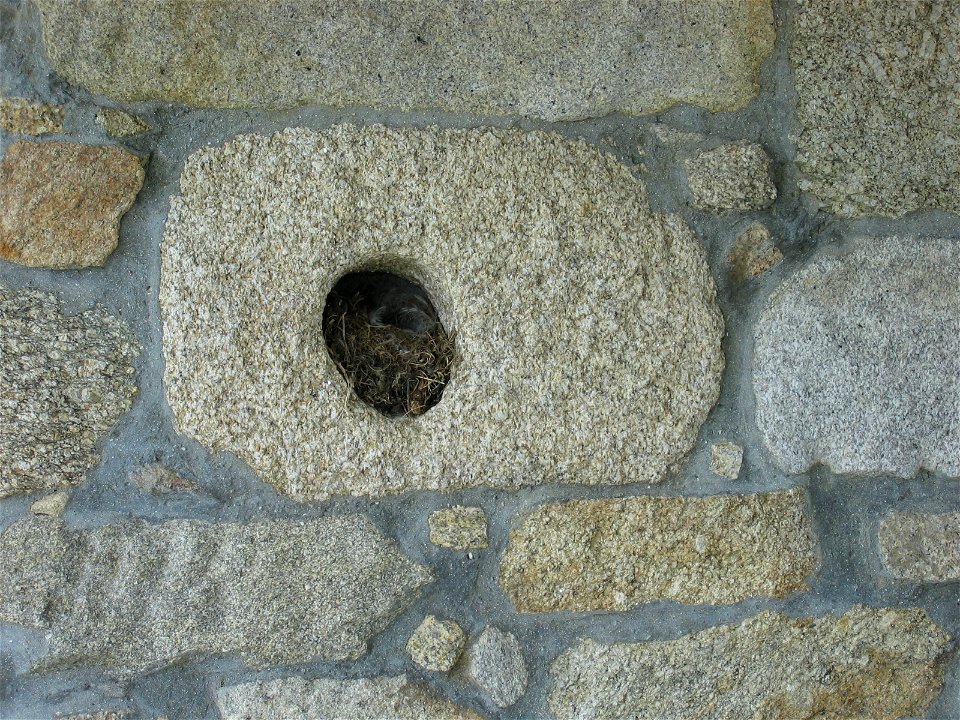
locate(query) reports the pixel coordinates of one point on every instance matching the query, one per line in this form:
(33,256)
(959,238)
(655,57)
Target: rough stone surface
(24,117)
(616,554)
(378,698)
(924,547)
(857,360)
(877,83)
(557,61)
(120,124)
(61,202)
(726,459)
(54,504)
(459,527)
(436,644)
(868,663)
(566,371)
(65,380)
(753,253)
(134,596)
(731,177)
(495,663)
(156,479)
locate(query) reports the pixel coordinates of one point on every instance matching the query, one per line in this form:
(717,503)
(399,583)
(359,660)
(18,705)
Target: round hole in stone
(386,338)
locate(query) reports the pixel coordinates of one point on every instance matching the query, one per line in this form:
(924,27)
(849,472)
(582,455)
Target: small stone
(881,664)
(731,177)
(376,698)
(615,554)
(120,124)
(65,380)
(61,202)
(24,117)
(753,253)
(157,479)
(922,546)
(726,459)
(53,505)
(459,527)
(495,663)
(98,715)
(436,644)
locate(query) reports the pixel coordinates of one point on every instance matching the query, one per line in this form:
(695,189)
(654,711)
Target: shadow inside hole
(386,338)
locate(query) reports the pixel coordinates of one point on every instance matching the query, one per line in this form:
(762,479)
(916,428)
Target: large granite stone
(921,546)
(61,202)
(135,596)
(377,698)
(586,329)
(616,554)
(879,664)
(877,85)
(555,60)
(857,360)
(24,117)
(65,380)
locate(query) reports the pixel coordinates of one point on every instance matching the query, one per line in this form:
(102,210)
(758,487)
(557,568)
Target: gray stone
(54,504)
(877,85)
(495,663)
(731,177)
(857,360)
(557,61)
(566,371)
(459,527)
(120,124)
(726,459)
(18,115)
(922,546)
(65,380)
(436,644)
(868,663)
(135,596)
(616,554)
(377,698)
(753,253)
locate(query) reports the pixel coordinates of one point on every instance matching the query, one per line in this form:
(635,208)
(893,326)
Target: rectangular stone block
(919,546)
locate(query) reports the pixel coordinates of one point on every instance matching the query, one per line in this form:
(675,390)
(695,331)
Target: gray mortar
(846,511)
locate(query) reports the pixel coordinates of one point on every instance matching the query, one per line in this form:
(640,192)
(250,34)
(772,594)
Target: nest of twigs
(386,339)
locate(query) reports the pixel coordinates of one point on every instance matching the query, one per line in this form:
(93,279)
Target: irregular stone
(922,546)
(436,644)
(565,371)
(877,85)
(561,61)
(98,715)
(377,698)
(616,554)
(753,253)
(495,663)
(24,117)
(134,596)
(731,177)
(120,124)
(459,527)
(857,360)
(156,479)
(65,380)
(53,505)
(61,202)
(869,663)
(726,459)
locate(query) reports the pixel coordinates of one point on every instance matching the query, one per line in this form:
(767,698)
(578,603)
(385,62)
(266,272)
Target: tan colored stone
(616,554)
(876,664)
(53,505)
(436,644)
(726,459)
(156,479)
(120,124)
(753,253)
(61,202)
(922,546)
(459,527)
(731,177)
(30,118)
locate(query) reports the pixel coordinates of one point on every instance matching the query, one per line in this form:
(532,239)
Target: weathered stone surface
(616,554)
(857,360)
(436,644)
(731,177)
(877,83)
(459,527)
(120,124)
(922,546)
(557,61)
(61,202)
(54,504)
(495,663)
(18,115)
(753,253)
(726,459)
(566,371)
(156,479)
(65,380)
(135,596)
(378,698)
(869,663)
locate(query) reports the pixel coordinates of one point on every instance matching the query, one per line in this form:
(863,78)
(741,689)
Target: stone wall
(699,452)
